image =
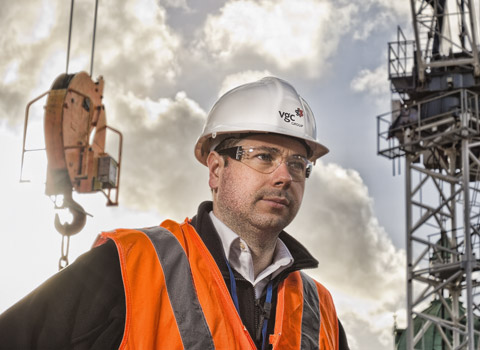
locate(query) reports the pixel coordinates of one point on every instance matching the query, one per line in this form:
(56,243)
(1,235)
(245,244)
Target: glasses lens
(297,166)
(262,159)
(267,160)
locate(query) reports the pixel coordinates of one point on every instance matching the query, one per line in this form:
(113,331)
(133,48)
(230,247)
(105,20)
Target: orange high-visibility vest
(176,297)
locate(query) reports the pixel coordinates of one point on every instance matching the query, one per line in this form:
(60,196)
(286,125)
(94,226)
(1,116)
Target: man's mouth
(280,201)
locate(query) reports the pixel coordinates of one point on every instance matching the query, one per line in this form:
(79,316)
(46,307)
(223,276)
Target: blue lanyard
(233,287)
(266,312)
(266,308)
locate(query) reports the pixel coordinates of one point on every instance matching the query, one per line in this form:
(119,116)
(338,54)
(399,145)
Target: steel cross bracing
(442,239)
(435,34)
(443,216)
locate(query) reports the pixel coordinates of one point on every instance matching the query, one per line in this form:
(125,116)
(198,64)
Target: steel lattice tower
(435,125)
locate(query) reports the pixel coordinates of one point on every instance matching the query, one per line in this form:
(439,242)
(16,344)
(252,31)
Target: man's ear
(215,163)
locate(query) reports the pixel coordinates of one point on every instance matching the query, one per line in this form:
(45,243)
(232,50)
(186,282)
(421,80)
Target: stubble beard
(259,226)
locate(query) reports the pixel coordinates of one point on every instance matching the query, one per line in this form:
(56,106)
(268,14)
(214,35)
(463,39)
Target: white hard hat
(270,105)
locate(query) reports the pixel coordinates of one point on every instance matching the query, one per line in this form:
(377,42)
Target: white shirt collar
(240,258)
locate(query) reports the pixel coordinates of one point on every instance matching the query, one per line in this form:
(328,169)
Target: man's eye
(297,165)
(265,157)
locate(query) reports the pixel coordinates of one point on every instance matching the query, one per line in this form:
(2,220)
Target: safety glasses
(267,159)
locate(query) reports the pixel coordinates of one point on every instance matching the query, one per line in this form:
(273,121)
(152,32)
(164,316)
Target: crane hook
(79,218)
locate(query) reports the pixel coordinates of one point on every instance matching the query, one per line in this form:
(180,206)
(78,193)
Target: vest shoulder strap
(166,285)
(306,316)
(319,298)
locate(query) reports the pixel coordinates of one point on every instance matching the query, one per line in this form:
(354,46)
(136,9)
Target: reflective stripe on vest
(177,299)
(181,291)
(309,319)
(310,316)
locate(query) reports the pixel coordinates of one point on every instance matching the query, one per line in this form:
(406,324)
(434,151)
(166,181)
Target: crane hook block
(75,133)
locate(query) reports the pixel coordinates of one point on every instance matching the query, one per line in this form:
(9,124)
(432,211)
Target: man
(226,279)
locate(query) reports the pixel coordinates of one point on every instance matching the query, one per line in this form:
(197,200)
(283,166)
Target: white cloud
(284,33)
(400,8)
(292,36)
(237,79)
(22,54)
(182,4)
(375,15)
(145,50)
(159,169)
(361,330)
(344,219)
(374,84)
(11,73)
(135,49)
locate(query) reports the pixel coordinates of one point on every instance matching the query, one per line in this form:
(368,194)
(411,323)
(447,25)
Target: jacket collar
(204,227)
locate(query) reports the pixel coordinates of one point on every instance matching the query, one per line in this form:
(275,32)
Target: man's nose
(282,176)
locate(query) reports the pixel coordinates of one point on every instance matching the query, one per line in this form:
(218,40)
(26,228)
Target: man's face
(246,199)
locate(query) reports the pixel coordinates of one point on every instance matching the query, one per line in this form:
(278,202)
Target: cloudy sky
(164,64)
